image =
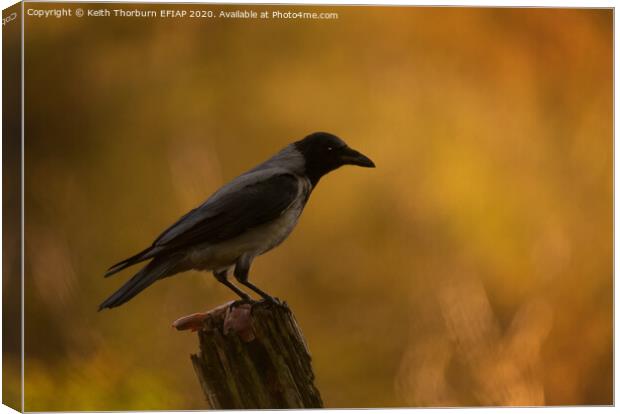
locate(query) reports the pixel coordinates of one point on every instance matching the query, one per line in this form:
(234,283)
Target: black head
(324,152)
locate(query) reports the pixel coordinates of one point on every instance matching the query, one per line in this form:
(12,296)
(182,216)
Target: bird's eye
(329,148)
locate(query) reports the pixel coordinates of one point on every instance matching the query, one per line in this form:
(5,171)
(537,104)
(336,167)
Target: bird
(247,217)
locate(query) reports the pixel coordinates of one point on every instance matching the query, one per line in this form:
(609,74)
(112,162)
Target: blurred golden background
(472,267)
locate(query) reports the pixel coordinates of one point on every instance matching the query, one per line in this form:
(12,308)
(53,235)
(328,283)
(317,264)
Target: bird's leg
(256,289)
(222,277)
(242,270)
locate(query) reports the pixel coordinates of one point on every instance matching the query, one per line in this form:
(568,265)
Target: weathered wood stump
(252,356)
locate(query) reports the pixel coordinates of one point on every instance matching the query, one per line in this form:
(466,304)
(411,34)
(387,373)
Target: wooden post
(252,356)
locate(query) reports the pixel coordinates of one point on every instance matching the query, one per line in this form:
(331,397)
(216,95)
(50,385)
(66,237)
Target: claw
(273,301)
(246,298)
(270,299)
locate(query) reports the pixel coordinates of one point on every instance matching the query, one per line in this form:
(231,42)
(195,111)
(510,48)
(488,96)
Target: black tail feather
(143,255)
(155,270)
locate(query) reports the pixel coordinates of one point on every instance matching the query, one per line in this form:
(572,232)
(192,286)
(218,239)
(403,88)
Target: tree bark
(254,356)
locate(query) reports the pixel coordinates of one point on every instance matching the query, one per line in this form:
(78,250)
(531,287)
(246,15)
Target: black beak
(352,157)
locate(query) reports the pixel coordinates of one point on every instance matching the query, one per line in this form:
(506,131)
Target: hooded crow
(247,217)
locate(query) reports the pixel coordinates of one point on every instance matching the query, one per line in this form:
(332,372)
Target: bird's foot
(273,300)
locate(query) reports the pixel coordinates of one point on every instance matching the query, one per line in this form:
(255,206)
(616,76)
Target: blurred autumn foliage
(472,267)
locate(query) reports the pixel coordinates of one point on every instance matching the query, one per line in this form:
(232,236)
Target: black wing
(232,213)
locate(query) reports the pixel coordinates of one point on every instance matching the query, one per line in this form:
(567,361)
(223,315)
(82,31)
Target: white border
(470,3)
